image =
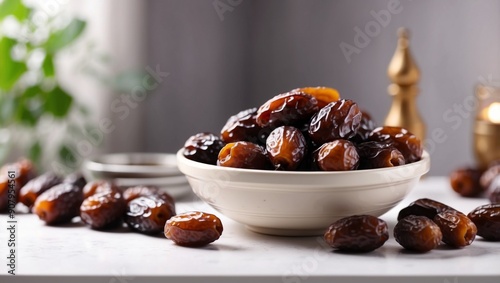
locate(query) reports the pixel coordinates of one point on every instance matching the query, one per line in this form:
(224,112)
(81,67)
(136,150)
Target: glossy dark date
(379,155)
(203,147)
(286,148)
(337,120)
(243,155)
(359,233)
(338,155)
(291,108)
(407,143)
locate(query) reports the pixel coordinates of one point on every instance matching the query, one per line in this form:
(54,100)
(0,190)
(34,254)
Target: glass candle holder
(487,125)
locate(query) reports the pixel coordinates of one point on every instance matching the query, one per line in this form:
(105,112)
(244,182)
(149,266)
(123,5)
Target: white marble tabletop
(76,253)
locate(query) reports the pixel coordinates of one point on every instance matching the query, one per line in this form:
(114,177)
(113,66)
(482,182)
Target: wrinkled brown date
(367,125)
(410,146)
(338,155)
(243,155)
(324,95)
(487,220)
(98,186)
(359,233)
(489,175)
(76,179)
(379,155)
(58,204)
(36,187)
(203,147)
(457,229)
(424,207)
(494,190)
(337,120)
(24,171)
(144,191)
(417,233)
(193,229)
(148,214)
(286,148)
(243,127)
(465,181)
(103,210)
(289,108)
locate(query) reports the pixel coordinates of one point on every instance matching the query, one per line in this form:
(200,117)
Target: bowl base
(286,232)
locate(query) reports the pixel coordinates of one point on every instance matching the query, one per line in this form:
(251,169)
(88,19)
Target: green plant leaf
(48,66)
(15,8)
(35,152)
(10,70)
(67,156)
(33,91)
(58,102)
(64,37)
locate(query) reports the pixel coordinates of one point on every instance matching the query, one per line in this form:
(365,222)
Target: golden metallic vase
(487,125)
(404,75)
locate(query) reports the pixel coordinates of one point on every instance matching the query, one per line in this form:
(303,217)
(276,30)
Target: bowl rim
(203,166)
(167,163)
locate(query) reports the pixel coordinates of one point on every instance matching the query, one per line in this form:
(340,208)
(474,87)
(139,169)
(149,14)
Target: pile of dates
(102,205)
(475,182)
(421,227)
(305,129)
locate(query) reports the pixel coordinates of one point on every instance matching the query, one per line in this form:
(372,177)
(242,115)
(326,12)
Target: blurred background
(146,75)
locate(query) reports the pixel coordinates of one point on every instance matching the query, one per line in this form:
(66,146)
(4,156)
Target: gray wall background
(262,48)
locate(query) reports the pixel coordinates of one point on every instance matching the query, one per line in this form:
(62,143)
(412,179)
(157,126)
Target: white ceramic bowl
(299,203)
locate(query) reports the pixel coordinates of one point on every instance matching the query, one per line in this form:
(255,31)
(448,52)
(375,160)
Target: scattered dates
(457,229)
(148,214)
(58,204)
(193,229)
(465,181)
(359,233)
(417,233)
(305,129)
(487,220)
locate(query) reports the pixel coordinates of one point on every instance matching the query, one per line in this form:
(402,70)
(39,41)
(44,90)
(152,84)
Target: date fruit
(379,155)
(410,145)
(323,95)
(286,148)
(243,127)
(291,108)
(338,155)
(337,120)
(23,171)
(359,233)
(465,181)
(148,214)
(243,155)
(417,233)
(98,186)
(487,220)
(76,179)
(36,187)
(58,204)
(424,207)
(494,190)
(144,191)
(193,229)
(103,210)
(457,229)
(203,147)
(366,127)
(489,175)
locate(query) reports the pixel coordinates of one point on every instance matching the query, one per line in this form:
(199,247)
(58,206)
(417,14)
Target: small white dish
(133,165)
(299,203)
